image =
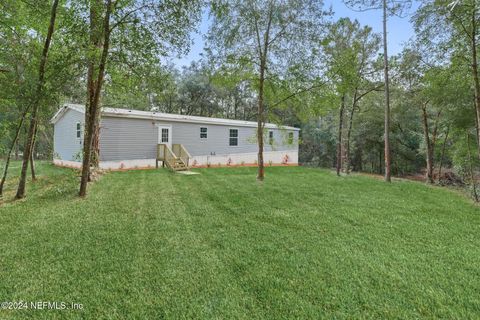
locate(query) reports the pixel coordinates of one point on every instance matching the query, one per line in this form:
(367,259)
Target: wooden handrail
(171,156)
(185,151)
(165,154)
(182,153)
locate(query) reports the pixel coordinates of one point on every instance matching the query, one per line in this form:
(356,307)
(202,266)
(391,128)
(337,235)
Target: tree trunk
(428,145)
(387,97)
(339,139)
(96,143)
(32,156)
(443,153)
(263,54)
(10,150)
(35,106)
(92,110)
(235,108)
(349,133)
(260,123)
(476,78)
(32,167)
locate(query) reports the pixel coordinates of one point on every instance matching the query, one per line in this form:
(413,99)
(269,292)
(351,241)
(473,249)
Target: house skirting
(269,158)
(67,163)
(239,159)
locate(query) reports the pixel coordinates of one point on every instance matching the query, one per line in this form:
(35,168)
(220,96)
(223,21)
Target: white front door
(165,135)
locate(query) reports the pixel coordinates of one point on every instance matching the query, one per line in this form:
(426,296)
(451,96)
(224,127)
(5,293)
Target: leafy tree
(27,152)
(389,7)
(350,51)
(23,28)
(271,38)
(100,31)
(136,30)
(451,29)
(318,142)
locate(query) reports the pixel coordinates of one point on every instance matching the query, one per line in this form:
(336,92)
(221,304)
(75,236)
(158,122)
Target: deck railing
(175,158)
(166,155)
(182,153)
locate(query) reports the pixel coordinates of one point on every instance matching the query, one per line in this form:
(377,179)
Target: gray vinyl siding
(129,139)
(218,138)
(66,145)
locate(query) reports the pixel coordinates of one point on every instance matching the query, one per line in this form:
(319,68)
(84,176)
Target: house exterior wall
(132,143)
(129,139)
(66,145)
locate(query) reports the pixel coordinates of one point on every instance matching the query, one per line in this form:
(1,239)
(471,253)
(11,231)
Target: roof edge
(59,114)
(158,116)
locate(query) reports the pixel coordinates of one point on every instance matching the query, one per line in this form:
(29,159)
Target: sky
(400,30)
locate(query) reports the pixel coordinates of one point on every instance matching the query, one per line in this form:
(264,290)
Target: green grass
(305,244)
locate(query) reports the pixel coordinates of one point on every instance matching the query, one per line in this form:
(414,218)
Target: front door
(165,135)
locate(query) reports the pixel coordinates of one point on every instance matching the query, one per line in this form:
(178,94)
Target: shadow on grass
(51,185)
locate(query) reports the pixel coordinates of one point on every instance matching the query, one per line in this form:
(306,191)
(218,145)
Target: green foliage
(446,30)
(350,51)
(318,143)
(142,33)
(394,7)
(283,34)
(23,27)
(312,62)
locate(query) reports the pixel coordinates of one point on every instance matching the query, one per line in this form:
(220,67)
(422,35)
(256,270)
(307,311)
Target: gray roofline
(137,114)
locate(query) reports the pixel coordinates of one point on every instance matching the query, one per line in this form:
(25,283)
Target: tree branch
(259,42)
(128,14)
(297,93)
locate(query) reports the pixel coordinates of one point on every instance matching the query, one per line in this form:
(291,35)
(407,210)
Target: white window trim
(203,139)
(77,130)
(170,133)
(238,137)
(271,140)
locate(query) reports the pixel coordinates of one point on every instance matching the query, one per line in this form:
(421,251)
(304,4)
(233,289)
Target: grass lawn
(305,244)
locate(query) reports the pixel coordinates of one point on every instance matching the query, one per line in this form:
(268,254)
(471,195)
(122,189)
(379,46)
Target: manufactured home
(142,139)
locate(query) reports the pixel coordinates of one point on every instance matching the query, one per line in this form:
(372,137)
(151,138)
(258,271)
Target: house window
(203,133)
(234,137)
(270,137)
(164,135)
(290,138)
(79,130)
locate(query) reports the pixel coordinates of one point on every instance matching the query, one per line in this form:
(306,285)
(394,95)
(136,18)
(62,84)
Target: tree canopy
(282,61)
